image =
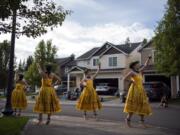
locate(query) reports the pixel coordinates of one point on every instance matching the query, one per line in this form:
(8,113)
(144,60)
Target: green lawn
(174,101)
(12,125)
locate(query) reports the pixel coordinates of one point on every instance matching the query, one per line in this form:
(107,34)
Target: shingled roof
(128,48)
(65,60)
(125,48)
(88,53)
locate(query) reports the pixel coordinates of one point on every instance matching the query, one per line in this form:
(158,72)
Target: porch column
(68,82)
(173,87)
(177,82)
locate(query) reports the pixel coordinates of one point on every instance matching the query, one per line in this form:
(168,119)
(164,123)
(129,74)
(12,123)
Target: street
(167,118)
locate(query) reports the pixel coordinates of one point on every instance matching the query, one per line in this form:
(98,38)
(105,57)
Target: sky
(93,22)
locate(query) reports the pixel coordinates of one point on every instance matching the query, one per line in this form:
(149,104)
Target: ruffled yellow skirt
(47,101)
(18,99)
(88,101)
(137,102)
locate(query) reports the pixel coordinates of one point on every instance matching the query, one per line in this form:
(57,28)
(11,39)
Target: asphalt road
(166,118)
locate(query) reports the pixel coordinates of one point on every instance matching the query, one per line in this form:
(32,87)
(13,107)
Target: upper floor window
(95,62)
(112,61)
(66,69)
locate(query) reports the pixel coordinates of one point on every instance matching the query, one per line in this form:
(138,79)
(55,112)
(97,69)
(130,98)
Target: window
(95,62)
(112,61)
(66,70)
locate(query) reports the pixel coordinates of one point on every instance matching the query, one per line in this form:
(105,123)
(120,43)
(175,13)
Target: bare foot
(48,122)
(39,122)
(128,122)
(143,124)
(85,117)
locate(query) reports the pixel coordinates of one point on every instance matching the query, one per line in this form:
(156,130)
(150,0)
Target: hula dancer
(137,100)
(47,101)
(18,98)
(89,100)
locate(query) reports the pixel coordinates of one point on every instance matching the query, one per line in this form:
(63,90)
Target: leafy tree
(127,40)
(167,40)
(31,18)
(4,60)
(144,41)
(29,61)
(45,53)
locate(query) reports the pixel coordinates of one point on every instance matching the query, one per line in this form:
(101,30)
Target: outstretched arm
(58,79)
(145,64)
(40,70)
(94,76)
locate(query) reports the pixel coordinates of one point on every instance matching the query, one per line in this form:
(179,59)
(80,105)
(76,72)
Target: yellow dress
(137,100)
(47,101)
(18,98)
(89,99)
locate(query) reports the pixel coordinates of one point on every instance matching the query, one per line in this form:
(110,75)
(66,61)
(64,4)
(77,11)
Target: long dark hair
(21,76)
(132,64)
(48,69)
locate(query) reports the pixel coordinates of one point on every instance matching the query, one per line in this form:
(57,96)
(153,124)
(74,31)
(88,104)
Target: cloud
(75,38)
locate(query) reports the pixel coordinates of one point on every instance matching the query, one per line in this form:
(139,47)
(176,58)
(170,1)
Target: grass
(12,125)
(174,101)
(2,97)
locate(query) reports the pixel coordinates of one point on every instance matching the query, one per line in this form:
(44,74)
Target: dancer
(18,98)
(47,101)
(89,100)
(137,100)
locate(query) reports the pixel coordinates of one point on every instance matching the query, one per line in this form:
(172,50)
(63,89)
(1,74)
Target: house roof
(65,60)
(128,48)
(88,53)
(145,45)
(123,48)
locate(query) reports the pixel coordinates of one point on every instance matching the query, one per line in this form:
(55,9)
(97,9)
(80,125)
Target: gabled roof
(145,45)
(98,51)
(78,68)
(128,48)
(64,61)
(88,53)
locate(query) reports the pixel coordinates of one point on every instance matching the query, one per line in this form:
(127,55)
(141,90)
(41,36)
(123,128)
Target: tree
(167,40)
(144,41)
(36,19)
(4,60)
(45,53)
(127,40)
(29,61)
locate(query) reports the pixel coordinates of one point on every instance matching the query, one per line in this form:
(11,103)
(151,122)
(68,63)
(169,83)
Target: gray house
(151,74)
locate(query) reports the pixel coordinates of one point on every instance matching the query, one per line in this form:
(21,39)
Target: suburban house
(64,65)
(151,74)
(113,58)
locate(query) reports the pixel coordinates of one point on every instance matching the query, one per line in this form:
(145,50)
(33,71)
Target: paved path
(66,125)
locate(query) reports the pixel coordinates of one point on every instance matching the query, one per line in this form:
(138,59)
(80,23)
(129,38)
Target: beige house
(151,74)
(113,58)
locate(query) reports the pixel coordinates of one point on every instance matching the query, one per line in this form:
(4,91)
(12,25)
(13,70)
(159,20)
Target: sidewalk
(63,125)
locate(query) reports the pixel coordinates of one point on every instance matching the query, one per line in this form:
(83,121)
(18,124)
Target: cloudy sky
(94,22)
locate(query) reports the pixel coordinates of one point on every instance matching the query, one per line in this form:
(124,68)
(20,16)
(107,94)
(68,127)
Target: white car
(105,88)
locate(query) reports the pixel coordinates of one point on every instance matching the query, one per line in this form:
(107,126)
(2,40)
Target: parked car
(73,94)
(60,89)
(155,90)
(106,89)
